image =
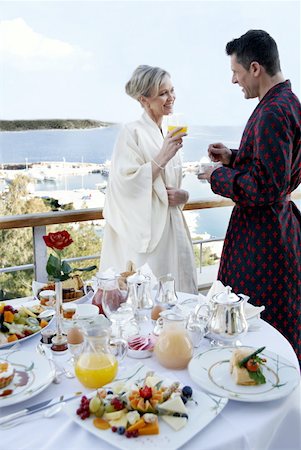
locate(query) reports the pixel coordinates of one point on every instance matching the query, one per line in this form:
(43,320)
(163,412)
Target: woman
(143,208)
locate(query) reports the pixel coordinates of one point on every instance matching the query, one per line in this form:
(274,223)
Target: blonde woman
(144,199)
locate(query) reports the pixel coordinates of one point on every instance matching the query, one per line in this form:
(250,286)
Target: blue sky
(71,59)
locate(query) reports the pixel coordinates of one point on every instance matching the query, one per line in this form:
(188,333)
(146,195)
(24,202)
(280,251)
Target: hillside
(63,124)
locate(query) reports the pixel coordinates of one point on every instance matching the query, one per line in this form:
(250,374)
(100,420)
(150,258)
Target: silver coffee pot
(226,321)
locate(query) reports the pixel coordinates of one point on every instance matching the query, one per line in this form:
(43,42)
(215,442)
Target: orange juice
(94,370)
(184,128)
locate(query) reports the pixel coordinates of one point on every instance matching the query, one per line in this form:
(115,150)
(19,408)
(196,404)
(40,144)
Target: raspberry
(117,403)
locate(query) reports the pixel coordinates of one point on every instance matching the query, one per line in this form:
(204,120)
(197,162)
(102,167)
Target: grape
(100,411)
(109,408)
(94,404)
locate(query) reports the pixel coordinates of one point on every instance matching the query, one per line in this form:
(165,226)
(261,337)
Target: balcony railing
(39,221)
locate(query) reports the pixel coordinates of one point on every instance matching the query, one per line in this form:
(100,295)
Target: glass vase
(59,340)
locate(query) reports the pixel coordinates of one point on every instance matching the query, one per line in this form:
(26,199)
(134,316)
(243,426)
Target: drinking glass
(117,310)
(175,121)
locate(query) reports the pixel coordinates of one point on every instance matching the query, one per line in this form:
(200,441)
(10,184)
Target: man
(262,250)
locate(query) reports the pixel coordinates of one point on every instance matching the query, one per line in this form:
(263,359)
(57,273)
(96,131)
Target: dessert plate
(200,415)
(33,374)
(211,371)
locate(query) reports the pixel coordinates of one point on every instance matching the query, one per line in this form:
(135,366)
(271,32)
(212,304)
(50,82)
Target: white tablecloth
(273,425)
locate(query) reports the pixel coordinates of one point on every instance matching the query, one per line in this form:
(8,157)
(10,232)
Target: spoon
(47,313)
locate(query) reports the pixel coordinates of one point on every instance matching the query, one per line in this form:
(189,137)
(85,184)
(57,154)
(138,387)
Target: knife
(37,407)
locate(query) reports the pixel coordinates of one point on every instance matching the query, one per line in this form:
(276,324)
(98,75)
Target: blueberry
(109,392)
(187,391)
(120,430)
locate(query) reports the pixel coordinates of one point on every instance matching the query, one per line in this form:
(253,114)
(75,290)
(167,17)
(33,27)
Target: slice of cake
(7,373)
(245,367)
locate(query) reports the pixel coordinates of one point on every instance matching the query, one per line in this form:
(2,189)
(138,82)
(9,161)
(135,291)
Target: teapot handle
(119,348)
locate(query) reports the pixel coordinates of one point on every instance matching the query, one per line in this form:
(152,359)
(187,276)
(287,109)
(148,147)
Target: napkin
(147,271)
(251,311)
(36,287)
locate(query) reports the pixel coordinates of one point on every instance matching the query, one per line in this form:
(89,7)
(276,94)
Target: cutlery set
(49,407)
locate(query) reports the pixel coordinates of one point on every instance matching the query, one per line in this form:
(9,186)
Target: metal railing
(39,221)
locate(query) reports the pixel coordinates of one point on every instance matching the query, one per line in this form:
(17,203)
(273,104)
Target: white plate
(200,415)
(28,304)
(34,371)
(99,320)
(84,299)
(210,370)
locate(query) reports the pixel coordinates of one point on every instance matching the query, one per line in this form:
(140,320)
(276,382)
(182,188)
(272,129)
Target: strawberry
(146,392)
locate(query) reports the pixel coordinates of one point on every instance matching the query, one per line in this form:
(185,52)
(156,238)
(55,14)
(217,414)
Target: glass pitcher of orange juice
(97,365)
(174,347)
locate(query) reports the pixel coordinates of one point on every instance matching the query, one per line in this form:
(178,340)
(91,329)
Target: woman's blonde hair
(146,81)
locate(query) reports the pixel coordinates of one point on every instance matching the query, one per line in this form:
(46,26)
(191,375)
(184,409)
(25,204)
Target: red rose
(58,240)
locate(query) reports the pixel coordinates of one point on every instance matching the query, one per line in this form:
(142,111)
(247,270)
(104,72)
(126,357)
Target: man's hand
(176,197)
(219,153)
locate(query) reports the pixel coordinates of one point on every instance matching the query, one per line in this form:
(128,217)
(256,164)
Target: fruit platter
(19,322)
(149,409)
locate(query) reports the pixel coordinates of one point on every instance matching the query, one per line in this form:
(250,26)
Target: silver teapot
(226,321)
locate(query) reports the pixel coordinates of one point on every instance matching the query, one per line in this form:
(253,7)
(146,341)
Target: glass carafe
(110,286)
(97,365)
(166,293)
(173,348)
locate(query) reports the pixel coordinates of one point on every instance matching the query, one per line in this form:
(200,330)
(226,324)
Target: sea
(96,146)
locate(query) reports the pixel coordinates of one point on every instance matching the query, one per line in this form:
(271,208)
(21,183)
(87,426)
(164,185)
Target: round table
(273,425)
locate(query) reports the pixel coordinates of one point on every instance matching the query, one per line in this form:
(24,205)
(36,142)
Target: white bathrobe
(140,225)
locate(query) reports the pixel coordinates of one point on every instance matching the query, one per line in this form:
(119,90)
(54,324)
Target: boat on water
(101,186)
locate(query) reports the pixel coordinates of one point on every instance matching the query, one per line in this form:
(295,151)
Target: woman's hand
(176,197)
(219,153)
(171,145)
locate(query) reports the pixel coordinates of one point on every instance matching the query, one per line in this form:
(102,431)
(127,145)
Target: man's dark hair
(256,45)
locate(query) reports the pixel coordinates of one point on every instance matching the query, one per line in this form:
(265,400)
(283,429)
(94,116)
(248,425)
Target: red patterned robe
(262,249)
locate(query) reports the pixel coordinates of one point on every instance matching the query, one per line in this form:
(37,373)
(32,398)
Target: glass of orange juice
(175,121)
(97,365)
